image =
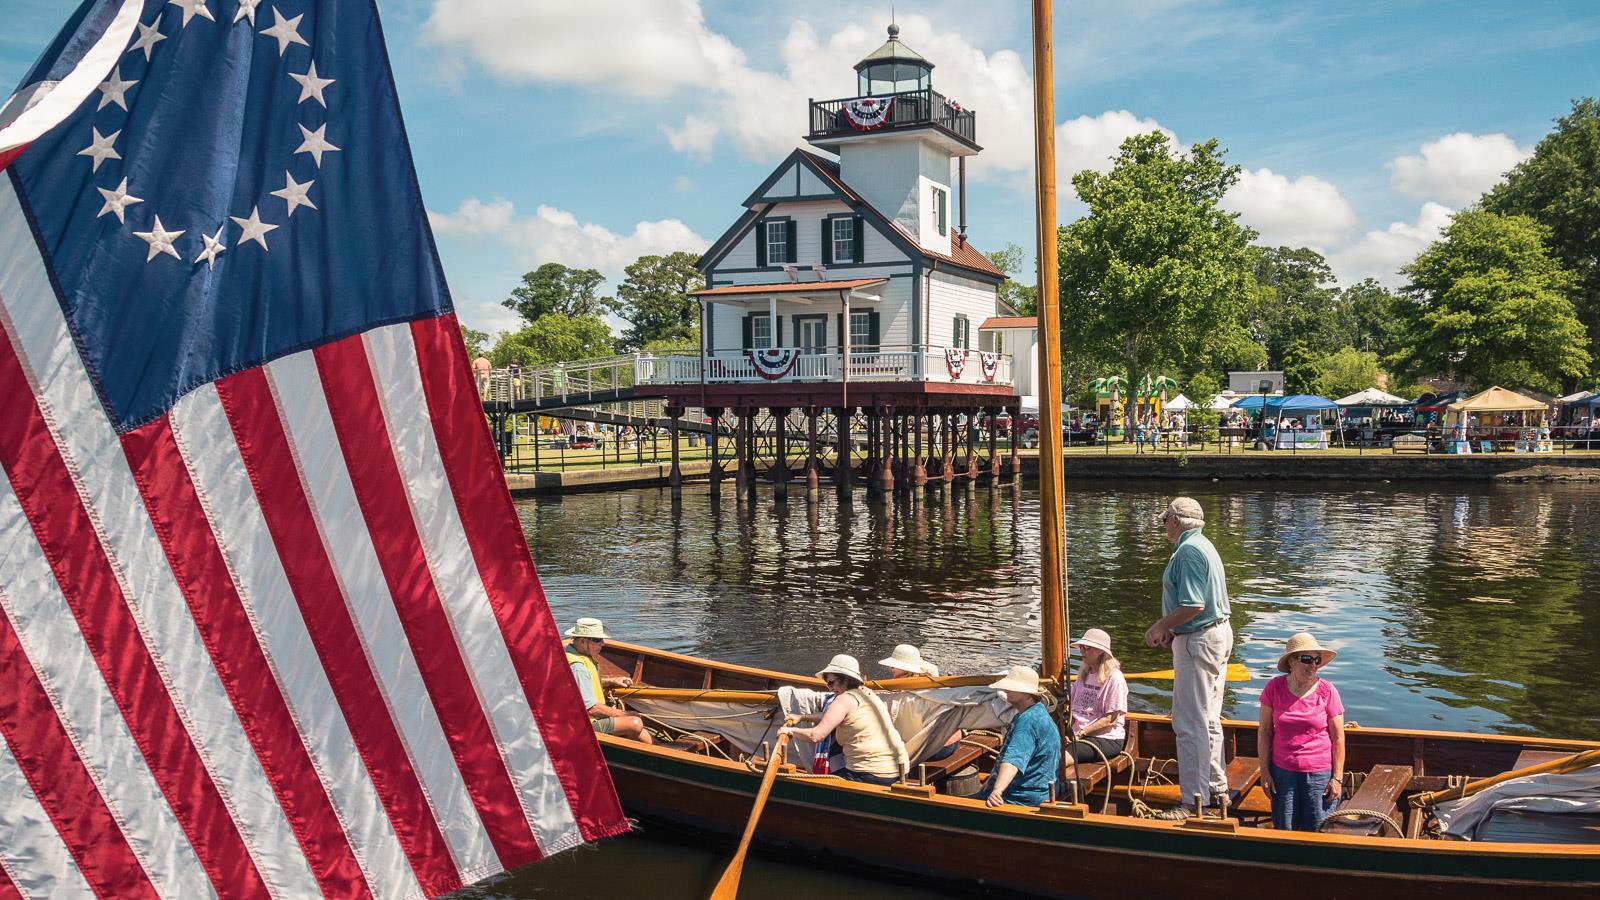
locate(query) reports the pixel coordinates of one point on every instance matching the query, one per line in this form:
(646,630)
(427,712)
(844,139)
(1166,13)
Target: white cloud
(1380,254)
(1304,212)
(1090,142)
(555,235)
(683,184)
(1456,168)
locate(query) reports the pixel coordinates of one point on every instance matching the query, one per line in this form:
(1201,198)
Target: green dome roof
(893,51)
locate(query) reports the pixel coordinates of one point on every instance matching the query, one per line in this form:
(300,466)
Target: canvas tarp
(1574,792)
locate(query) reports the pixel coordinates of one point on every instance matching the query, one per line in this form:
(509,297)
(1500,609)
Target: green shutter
(955,332)
(777,332)
(941,197)
(761,253)
(827,242)
(748,337)
(788,237)
(860,241)
(872,329)
(839,317)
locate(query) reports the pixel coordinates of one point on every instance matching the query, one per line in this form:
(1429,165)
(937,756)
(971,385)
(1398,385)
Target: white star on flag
(254,229)
(247,8)
(295,192)
(214,247)
(312,86)
(316,143)
(149,36)
(160,240)
(101,149)
(112,89)
(285,30)
(117,201)
(192,8)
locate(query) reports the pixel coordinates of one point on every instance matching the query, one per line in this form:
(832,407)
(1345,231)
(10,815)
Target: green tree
(554,288)
(1203,389)
(1348,370)
(1156,275)
(1488,304)
(554,337)
(475,340)
(690,341)
(654,298)
(1295,301)
(1021,297)
(1302,371)
(1369,316)
(1559,187)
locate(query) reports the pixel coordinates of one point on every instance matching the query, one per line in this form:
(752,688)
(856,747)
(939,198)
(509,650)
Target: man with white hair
(1194,623)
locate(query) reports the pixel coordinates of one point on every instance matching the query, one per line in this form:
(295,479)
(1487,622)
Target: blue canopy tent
(1298,403)
(1254,401)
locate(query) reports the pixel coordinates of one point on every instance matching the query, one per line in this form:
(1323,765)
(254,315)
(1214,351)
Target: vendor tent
(1298,403)
(1497,399)
(1220,402)
(1253,401)
(1372,397)
(1180,403)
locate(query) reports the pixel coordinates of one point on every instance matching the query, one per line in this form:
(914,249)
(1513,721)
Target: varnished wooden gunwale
(661,782)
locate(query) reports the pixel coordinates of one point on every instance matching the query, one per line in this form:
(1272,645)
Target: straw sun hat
(843,664)
(588,628)
(1096,638)
(1021,679)
(1303,643)
(909,659)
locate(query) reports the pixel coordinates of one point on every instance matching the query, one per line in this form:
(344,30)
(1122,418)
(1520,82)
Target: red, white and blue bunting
(773,363)
(868,113)
(955,359)
(990,363)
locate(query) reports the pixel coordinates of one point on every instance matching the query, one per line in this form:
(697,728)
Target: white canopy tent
(1180,403)
(1372,397)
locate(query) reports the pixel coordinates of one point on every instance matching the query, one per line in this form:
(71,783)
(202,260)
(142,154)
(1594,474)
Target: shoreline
(1164,466)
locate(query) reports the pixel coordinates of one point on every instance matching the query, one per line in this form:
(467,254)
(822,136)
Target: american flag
(268,624)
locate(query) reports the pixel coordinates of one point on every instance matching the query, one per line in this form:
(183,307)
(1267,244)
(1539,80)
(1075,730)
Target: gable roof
(1010,322)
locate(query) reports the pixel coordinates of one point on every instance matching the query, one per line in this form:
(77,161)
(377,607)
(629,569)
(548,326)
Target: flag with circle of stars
(269,626)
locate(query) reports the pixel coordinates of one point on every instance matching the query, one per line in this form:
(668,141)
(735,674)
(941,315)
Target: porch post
(994,453)
(741,436)
(811,451)
(780,462)
(919,474)
(886,449)
(841,465)
(675,474)
(715,475)
(972,437)
(948,473)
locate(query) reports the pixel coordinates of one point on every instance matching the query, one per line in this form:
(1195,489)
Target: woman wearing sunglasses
(1302,729)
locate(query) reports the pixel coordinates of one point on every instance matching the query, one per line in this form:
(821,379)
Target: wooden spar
(1053,614)
(1575,762)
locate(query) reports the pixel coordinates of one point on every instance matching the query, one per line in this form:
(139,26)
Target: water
(1470,608)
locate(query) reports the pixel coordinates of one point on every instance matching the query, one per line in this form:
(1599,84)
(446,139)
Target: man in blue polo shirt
(1194,623)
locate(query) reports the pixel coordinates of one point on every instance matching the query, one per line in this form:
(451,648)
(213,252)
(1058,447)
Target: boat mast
(1052,516)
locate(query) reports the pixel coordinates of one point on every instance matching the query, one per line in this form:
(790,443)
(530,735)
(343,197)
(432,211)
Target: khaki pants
(1200,661)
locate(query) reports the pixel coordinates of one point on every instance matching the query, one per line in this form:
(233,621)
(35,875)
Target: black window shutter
(839,317)
(789,233)
(872,329)
(860,241)
(777,332)
(761,247)
(827,242)
(748,338)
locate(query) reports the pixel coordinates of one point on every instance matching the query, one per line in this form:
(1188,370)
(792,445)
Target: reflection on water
(1473,610)
(1469,610)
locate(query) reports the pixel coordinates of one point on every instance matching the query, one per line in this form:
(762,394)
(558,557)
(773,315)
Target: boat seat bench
(701,742)
(1243,774)
(964,755)
(1380,793)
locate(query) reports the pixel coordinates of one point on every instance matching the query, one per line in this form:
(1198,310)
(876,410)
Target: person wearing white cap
(906,662)
(1194,623)
(583,656)
(859,722)
(1099,704)
(1030,756)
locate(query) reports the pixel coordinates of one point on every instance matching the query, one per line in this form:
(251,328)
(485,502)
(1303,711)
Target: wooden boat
(1076,850)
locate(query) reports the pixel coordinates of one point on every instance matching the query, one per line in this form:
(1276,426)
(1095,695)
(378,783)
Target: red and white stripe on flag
(285,640)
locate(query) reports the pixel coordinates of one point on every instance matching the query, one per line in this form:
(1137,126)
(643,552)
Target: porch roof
(788,287)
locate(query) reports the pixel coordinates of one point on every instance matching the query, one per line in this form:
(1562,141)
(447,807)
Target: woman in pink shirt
(1302,725)
(1099,705)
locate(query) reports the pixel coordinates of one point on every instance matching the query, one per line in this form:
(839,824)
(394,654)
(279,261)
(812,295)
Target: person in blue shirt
(1030,757)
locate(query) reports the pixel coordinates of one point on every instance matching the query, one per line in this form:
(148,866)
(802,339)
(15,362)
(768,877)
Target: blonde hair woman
(1099,704)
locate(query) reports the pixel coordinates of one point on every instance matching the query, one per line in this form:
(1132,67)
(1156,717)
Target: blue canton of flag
(268,623)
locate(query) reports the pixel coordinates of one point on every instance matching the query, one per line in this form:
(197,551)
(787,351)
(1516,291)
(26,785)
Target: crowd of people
(1301,726)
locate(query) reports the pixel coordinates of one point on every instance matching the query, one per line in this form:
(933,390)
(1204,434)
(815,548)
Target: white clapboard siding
(952,295)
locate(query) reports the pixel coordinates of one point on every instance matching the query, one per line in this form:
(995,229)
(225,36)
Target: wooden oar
(1557,766)
(1236,672)
(728,886)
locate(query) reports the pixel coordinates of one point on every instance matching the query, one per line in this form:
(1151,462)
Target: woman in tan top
(860,724)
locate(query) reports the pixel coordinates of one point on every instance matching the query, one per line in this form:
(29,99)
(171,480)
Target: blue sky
(589,133)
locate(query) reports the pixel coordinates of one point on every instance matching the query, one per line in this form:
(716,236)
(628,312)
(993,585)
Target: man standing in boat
(1194,623)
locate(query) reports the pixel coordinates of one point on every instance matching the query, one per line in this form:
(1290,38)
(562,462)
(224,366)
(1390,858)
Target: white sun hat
(1096,638)
(1021,679)
(843,664)
(909,659)
(589,628)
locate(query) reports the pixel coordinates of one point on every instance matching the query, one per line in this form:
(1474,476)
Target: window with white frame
(844,240)
(860,330)
(778,243)
(761,331)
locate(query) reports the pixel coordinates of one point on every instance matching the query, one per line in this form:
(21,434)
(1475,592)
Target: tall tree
(654,298)
(475,340)
(554,337)
(554,288)
(1021,297)
(1488,304)
(1295,301)
(1559,187)
(1369,317)
(1156,274)
(1348,370)
(1302,370)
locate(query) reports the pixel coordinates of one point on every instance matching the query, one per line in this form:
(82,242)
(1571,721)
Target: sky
(590,133)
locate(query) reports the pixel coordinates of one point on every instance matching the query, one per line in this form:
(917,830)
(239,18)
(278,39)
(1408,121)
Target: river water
(1459,607)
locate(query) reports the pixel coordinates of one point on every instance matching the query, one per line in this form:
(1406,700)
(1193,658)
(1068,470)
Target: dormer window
(777,238)
(844,239)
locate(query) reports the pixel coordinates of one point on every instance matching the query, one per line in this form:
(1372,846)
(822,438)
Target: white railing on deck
(584,379)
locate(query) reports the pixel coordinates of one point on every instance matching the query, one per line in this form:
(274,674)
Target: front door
(813,334)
